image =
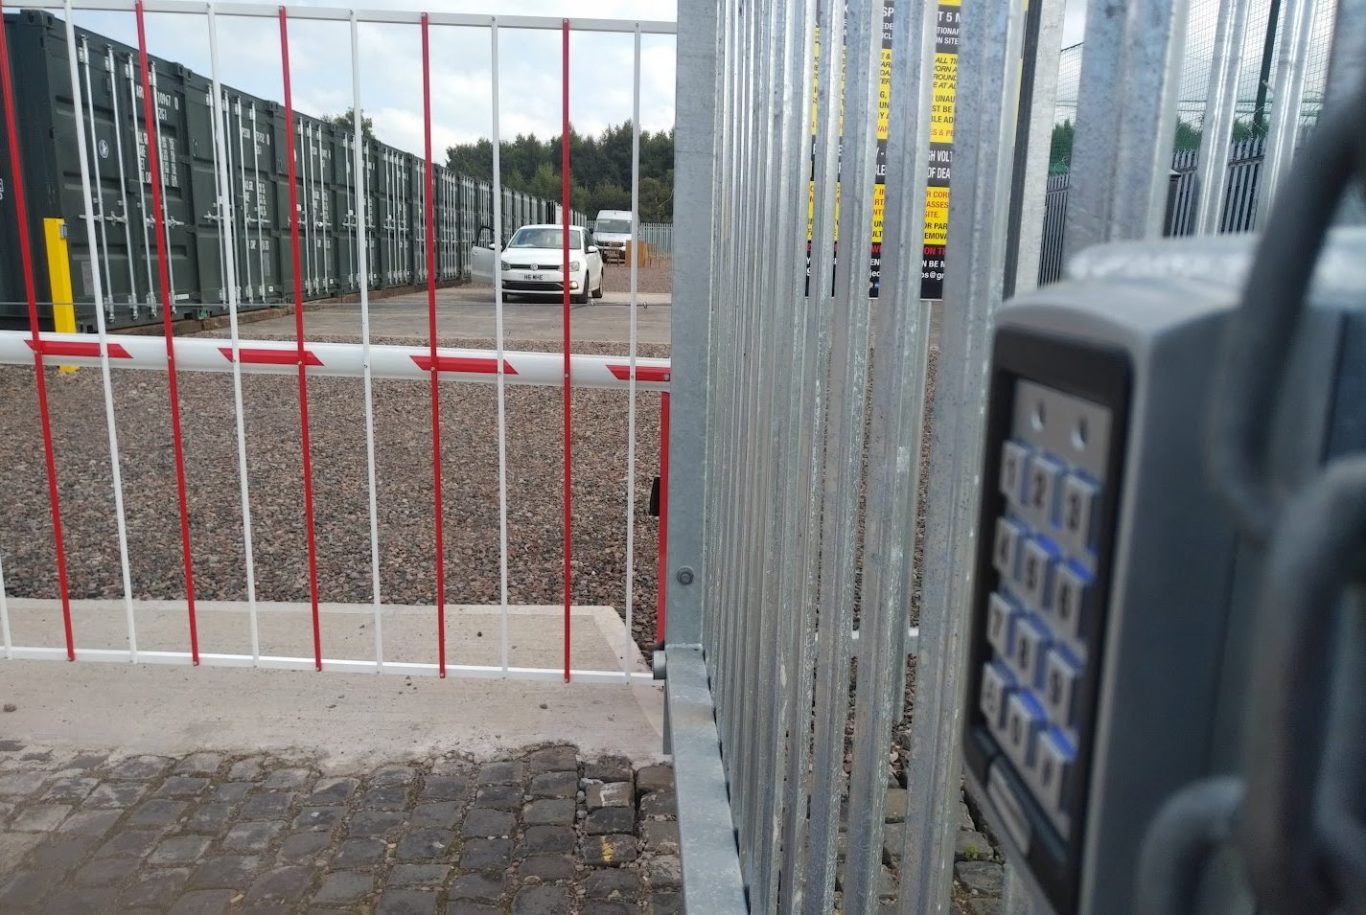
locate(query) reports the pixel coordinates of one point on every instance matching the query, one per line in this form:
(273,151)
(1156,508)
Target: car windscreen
(614,227)
(546,238)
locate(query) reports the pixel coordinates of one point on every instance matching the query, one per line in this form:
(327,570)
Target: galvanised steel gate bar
(791,538)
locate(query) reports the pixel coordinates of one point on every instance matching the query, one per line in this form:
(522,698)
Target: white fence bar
(280,357)
(120,519)
(497,242)
(362,278)
(631,384)
(227,226)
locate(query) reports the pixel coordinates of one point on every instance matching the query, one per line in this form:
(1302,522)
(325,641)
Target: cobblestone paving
(545,832)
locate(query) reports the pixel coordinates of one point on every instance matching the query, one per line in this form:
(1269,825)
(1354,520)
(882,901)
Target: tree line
(599,169)
(1187,138)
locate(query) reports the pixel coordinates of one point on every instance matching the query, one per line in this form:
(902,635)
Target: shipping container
(252,159)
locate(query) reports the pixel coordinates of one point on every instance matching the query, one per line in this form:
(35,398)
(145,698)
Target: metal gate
(805,426)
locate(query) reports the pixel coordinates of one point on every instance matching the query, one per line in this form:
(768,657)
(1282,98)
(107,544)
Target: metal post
(1126,118)
(984,135)
(1035,137)
(1283,134)
(711,874)
(1221,100)
(363,276)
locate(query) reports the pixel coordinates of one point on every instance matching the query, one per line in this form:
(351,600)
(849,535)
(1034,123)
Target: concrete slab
(345,719)
(409,633)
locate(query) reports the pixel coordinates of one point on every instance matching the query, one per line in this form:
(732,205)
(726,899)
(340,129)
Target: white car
(533,263)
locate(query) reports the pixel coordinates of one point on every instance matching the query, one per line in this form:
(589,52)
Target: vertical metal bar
(566,220)
(4,613)
(631,382)
(662,562)
(116,473)
(984,134)
(691,323)
(79,103)
(1221,100)
(363,274)
(802,494)
(142,193)
(1126,118)
(902,333)
(502,380)
(110,68)
(299,342)
(1292,58)
(1032,182)
(235,166)
(1347,60)
(260,217)
(164,210)
(227,223)
(785,210)
(163,264)
(844,438)
(438,515)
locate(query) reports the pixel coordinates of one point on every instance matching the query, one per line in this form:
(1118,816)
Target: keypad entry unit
(1049,501)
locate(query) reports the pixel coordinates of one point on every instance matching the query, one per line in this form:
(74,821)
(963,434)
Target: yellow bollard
(59,280)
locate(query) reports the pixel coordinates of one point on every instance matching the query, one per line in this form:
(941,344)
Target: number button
(1006,551)
(1000,624)
(1030,642)
(1079,497)
(1036,573)
(1014,465)
(1071,593)
(1054,767)
(1024,721)
(1060,679)
(1042,491)
(997,685)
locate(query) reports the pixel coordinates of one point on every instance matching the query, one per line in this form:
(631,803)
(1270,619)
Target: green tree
(348,121)
(1060,149)
(600,167)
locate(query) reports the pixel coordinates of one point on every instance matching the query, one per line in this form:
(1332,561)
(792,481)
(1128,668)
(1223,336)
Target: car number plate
(535,277)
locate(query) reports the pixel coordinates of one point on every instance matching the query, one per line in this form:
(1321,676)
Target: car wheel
(597,293)
(583,296)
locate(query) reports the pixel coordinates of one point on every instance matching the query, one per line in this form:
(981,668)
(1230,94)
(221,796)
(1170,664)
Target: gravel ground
(656,275)
(403,457)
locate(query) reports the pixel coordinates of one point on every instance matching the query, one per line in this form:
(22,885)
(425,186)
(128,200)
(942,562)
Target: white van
(612,231)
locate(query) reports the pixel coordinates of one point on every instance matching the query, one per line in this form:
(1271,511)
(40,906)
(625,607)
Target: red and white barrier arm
(281,357)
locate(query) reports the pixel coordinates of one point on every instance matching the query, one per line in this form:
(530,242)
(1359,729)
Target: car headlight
(506,265)
(574,266)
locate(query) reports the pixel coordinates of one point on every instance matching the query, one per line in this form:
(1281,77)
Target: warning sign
(941,150)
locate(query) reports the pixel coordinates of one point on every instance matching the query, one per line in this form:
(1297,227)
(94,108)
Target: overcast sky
(391,67)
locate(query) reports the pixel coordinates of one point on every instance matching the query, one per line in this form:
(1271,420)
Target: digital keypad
(1039,616)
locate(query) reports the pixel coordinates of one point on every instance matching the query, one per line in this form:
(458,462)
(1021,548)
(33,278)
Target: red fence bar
(662,585)
(149,110)
(45,420)
(564,219)
(435,363)
(302,353)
